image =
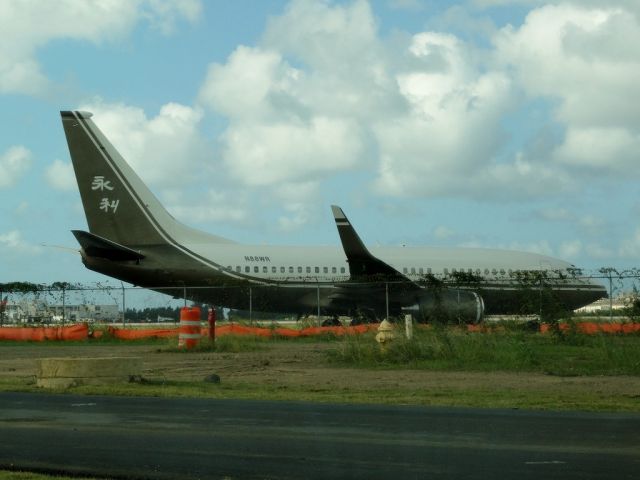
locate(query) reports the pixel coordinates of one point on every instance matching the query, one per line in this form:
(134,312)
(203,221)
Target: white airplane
(133,238)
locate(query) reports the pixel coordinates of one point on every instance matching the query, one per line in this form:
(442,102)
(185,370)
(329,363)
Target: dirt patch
(295,366)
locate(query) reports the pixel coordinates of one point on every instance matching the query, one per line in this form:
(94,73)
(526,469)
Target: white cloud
(412,5)
(267,154)
(429,119)
(162,14)
(300,124)
(14,163)
(603,149)
(22,208)
(585,59)
(630,248)
(592,223)
(328,38)
(442,233)
(598,252)
(448,141)
(13,240)
(27,25)
(554,214)
(249,85)
(215,206)
(298,216)
(166,150)
(323,92)
(570,249)
(503,3)
(60,176)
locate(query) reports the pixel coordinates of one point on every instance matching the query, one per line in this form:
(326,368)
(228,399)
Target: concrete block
(69,372)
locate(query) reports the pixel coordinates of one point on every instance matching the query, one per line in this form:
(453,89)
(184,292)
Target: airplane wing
(363,266)
(377,284)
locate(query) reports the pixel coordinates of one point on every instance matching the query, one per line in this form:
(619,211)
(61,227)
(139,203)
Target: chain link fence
(537,294)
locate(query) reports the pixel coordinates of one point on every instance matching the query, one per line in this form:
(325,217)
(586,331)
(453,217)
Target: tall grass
(454,349)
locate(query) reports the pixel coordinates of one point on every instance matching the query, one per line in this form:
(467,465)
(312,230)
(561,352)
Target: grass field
(508,350)
(509,368)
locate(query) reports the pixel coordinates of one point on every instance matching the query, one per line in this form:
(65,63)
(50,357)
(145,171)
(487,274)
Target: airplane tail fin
(118,205)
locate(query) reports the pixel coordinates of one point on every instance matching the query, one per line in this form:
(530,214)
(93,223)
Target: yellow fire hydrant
(386,334)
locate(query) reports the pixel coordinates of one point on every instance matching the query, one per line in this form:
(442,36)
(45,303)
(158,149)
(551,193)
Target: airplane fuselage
(299,279)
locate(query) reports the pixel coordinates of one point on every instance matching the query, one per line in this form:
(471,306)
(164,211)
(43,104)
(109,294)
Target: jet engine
(447,306)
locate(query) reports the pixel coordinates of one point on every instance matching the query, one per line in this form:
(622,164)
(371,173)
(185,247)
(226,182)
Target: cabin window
(342,270)
(256,269)
(238,269)
(478,271)
(282,270)
(502,272)
(494,271)
(317,269)
(404,270)
(299,269)
(290,269)
(325,269)
(486,271)
(420,270)
(247,269)
(308,269)
(453,270)
(274,270)
(334,270)
(230,268)
(413,270)
(429,270)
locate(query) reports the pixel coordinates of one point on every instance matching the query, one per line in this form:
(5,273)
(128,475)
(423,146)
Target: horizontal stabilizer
(95,246)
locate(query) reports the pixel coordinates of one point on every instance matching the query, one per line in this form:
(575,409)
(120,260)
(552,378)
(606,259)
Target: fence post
(540,298)
(318,299)
(408,326)
(386,297)
(610,297)
(124,309)
(63,303)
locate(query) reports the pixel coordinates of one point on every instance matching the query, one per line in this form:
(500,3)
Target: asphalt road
(158,438)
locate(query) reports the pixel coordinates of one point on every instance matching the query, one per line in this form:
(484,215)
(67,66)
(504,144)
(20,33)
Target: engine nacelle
(448,306)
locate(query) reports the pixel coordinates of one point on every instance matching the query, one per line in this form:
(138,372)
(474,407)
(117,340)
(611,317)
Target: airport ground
(309,370)
(523,372)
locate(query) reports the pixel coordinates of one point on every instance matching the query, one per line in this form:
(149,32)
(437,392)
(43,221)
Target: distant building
(40,312)
(85,313)
(603,305)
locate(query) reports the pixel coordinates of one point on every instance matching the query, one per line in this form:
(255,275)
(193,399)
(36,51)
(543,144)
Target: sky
(481,123)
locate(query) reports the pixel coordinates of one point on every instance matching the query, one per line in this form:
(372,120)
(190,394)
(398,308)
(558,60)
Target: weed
(453,349)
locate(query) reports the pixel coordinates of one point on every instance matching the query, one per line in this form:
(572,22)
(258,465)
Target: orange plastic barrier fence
(131,334)
(591,328)
(40,334)
(235,329)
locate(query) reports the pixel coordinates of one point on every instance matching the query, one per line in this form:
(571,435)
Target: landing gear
(332,322)
(364,316)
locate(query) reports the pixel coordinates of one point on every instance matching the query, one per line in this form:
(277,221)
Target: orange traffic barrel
(189,330)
